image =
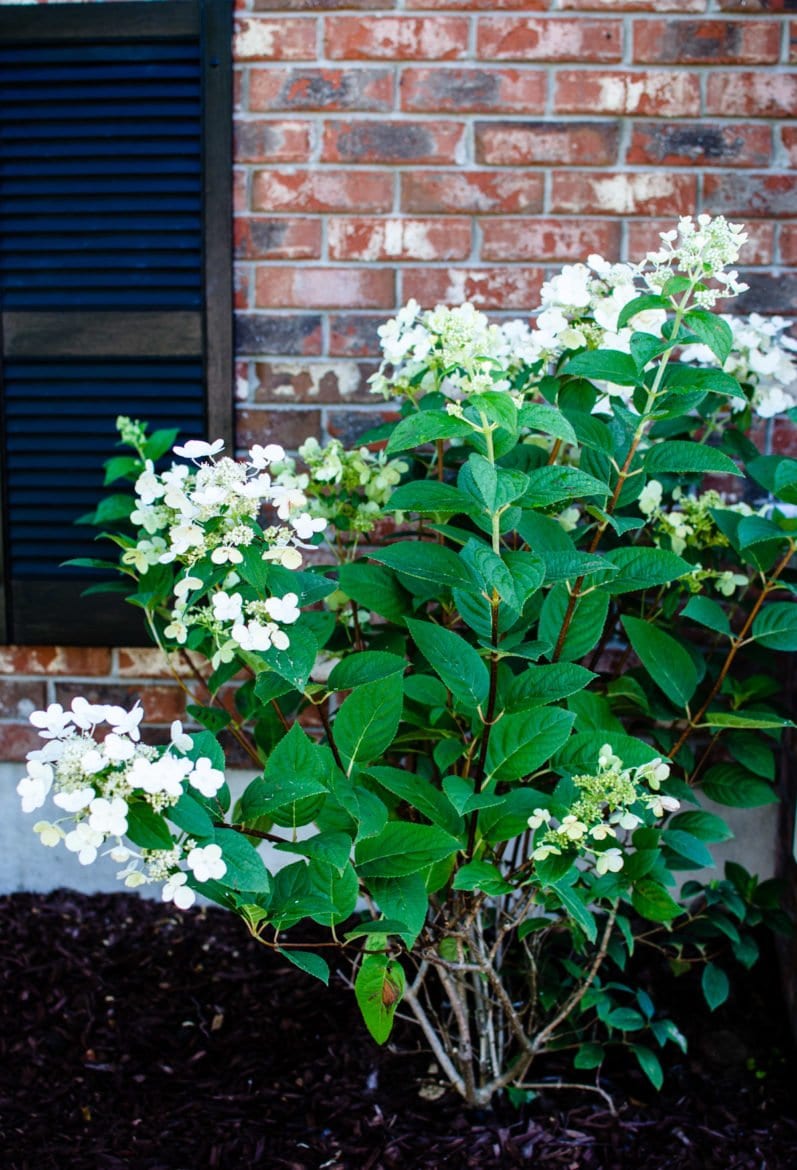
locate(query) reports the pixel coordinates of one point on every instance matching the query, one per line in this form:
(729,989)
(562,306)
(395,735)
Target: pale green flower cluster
(760,359)
(610,803)
(348,487)
(701,252)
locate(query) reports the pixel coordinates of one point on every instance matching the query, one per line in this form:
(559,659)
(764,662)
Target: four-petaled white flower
(53,722)
(180,740)
(175,890)
(34,787)
(84,841)
(74,801)
(207,863)
(118,748)
(610,861)
(198,449)
(540,816)
(185,586)
(205,778)
(49,834)
(227,607)
(306,526)
(108,816)
(261,457)
(659,805)
(87,715)
(125,722)
(283,609)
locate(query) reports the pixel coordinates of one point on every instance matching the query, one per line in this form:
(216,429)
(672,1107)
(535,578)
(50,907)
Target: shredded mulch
(137,1038)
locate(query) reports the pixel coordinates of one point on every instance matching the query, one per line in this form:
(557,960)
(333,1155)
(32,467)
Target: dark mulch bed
(134,1038)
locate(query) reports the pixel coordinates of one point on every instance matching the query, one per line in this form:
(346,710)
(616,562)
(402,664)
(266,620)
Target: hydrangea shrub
(487,668)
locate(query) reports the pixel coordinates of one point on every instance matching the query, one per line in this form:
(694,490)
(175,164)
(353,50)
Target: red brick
(16,740)
(710,143)
(473,90)
(477,192)
(793,42)
(327,5)
(681,6)
(259,333)
(262,424)
(788,243)
(332,288)
(20,697)
(512,38)
(788,136)
(407,38)
(741,195)
(144,663)
(161,703)
(752,95)
(487,288)
(241,287)
(643,236)
(393,142)
(623,194)
(755,5)
(274,40)
(549,240)
(313,382)
(351,425)
(767,293)
(322,191)
(320,89)
(54,660)
(546,143)
(238,93)
(280,238)
(734,42)
(240,190)
(354,334)
(261,142)
(399,239)
(665,94)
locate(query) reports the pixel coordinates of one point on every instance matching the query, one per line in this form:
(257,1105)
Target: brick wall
(453,149)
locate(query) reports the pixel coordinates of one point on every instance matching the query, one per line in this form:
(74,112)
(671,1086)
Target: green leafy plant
(486,674)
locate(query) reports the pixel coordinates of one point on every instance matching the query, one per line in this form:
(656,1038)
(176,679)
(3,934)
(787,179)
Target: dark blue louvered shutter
(114,222)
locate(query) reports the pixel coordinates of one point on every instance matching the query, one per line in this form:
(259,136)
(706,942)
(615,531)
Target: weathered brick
(240,190)
(548,240)
(161,703)
(20,697)
(512,38)
(280,238)
(265,424)
(546,143)
(755,5)
(664,94)
(310,382)
(479,5)
(313,5)
(681,6)
(260,333)
(711,143)
(761,94)
(350,425)
(768,293)
(354,334)
(238,89)
(144,662)
(258,39)
(751,195)
(393,142)
(788,243)
(643,236)
(320,89)
(488,288)
(84,661)
(241,287)
(332,288)
(788,135)
(407,38)
(623,194)
(266,142)
(298,191)
(16,740)
(399,239)
(479,192)
(733,42)
(473,90)
(783,436)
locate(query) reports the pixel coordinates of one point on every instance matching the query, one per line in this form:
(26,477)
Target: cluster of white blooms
(348,487)
(700,252)
(760,359)
(95,782)
(610,802)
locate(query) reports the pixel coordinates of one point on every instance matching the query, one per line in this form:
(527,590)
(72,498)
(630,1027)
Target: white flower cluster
(700,252)
(760,359)
(610,801)
(95,782)
(349,487)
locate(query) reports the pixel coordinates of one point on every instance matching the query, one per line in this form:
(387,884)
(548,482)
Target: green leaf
(510,818)
(462,794)
(159,442)
(775,626)
(295,663)
(146,828)
(715,985)
(375,589)
(378,989)
(190,816)
(668,664)
(454,660)
(604,365)
(430,498)
(732,785)
(644,568)
(425,561)
(366,667)
(572,901)
(548,420)
(481,875)
(522,743)
(712,331)
(751,720)
(424,427)
(703,825)
(586,626)
(650,1064)
(589,1055)
(295,770)
(539,685)
(245,868)
(367,722)
(121,467)
(215,719)
(403,848)
(490,573)
(652,901)
(682,456)
(309,962)
(403,898)
(556,485)
(641,304)
(688,846)
(421,794)
(332,849)
(681,377)
(708,613)
(625,1019)
(561,565)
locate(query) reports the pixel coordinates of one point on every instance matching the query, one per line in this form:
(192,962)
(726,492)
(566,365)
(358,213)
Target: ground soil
(133,1037)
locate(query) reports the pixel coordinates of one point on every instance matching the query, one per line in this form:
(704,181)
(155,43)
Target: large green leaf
(712,331)
(703,825)
(425,561)
(548,420)
(296,769)
(652,901)
(604,365)
(376,589)
(454,660)
(709,613)
(378,989)
(681,377)
(574,901)
(668,664)
(732,785)
(428,497)
(522,743)
(644,568)
(421,794)
(366,667)
(715,985)
(558,485)
(308,961)
(245,868)
(678,456)
(402,848)
(403,899)
(775,626)
(295,663)
(490,573)
(367,722)
(538,685)
(424,427)
(586,626)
